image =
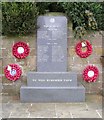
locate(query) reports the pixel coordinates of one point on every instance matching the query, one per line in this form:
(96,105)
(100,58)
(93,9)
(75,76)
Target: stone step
(52,94)
(51,79)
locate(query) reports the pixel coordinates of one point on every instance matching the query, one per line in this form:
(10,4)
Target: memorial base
(52,94)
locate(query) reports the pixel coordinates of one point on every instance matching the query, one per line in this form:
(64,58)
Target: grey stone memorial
(52,82)
(52,44)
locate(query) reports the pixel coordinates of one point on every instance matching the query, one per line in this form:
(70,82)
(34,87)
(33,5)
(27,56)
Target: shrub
(98,11)
(18,17)
(42,7)
(85,16)
(49,6)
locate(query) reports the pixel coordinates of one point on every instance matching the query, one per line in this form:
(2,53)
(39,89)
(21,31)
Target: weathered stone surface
(1,66)
(7,61)
(33,52)
(98,51)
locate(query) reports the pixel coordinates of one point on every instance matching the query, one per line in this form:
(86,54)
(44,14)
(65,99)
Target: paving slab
(6,115)
(94,102)
(42,110)
(15,107)
(85,114)
(99,112)
(92,108)
(19,115)
(64,110)
(46,114)
(7,108)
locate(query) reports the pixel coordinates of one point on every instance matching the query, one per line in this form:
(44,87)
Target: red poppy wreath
(12,72)
(90,73)
(20,50)
(83,54)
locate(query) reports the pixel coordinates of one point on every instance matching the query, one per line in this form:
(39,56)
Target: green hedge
(19,17)
(98,11)
(85,16)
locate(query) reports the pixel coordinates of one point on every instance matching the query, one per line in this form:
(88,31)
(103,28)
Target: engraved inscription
(52,80)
